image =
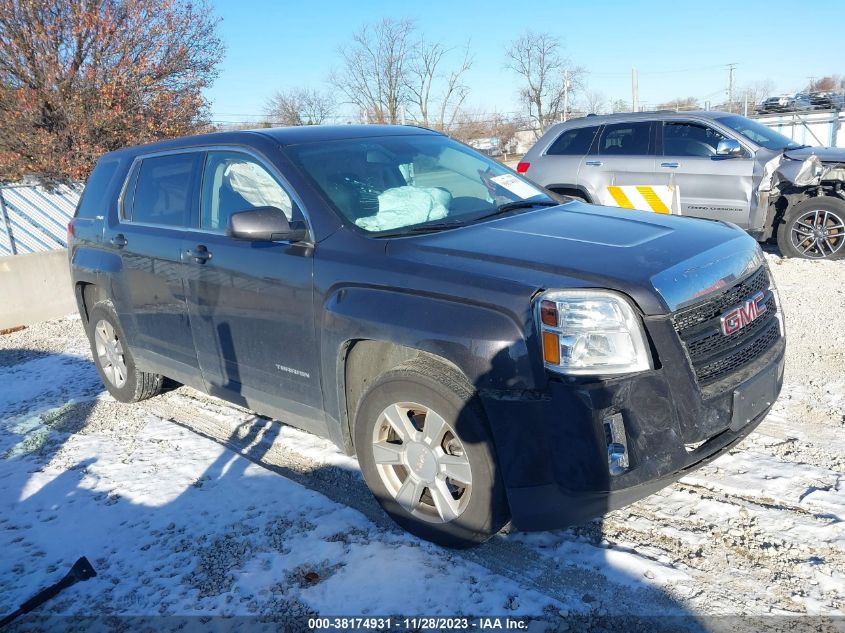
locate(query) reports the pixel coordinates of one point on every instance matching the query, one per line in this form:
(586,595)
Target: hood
(663,262)
(825,154)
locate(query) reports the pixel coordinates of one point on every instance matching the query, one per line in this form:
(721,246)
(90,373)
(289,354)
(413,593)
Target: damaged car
(718,165)
(489,354)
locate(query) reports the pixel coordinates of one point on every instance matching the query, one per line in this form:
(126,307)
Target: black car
(785,103)
(827,100)
(488,353)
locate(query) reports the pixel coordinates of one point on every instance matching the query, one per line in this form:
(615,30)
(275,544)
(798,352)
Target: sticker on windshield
(516,186)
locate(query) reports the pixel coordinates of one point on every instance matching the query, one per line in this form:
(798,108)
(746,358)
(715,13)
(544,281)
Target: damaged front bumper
(553,447)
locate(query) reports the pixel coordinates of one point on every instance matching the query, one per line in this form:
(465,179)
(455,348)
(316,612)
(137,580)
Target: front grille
(714,355)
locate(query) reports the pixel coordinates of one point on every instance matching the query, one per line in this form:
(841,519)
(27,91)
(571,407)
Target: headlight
(591,332)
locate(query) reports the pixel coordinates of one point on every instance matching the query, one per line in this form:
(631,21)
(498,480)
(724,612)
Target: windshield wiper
(423,228)
(789,149)
(441,226)
(514,206)
(525,204)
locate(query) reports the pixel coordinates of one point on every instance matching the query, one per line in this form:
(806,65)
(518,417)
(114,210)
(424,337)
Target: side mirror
(264,224)
(729,147)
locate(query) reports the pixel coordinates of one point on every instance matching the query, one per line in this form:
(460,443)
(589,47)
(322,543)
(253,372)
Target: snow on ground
(187,505)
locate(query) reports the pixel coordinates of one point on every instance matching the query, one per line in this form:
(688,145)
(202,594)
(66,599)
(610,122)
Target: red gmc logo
(737,318)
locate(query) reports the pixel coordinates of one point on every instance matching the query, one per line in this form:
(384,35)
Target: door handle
(200,254)
(119,240)
(671,165)
(594,163)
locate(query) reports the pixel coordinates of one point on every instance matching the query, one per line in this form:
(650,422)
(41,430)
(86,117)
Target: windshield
(395,183)
(758,133)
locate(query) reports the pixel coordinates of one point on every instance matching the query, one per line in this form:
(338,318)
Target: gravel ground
(757,532)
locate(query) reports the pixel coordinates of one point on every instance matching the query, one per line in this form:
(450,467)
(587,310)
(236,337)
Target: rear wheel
(814,229)
(427,455)
(114,359)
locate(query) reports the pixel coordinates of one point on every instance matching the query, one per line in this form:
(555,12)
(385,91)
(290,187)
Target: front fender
(490,347)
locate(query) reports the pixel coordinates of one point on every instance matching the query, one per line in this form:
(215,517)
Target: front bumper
(552,449)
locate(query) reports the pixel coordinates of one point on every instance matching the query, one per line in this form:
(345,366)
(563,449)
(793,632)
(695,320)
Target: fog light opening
(617,444)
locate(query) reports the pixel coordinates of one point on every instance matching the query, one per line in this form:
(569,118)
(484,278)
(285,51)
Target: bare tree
(594,102)
(300,106)
(548,78)
(620,105)
(826,84)
(81,77)
(759,90)
(680,103)
(470,124)
(436,96)
(374,71)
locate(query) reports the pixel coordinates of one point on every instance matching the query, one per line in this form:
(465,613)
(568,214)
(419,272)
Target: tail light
(521,168)
(69,232)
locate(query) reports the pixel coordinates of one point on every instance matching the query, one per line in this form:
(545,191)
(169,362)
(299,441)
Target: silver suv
(721,166)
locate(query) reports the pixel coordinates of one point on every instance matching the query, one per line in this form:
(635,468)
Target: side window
(689,139)
(163,190)
(575,142)
(626,139)
(234,182)
(96,196)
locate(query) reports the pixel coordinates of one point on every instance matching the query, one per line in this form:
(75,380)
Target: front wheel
(814,229)
(427,455)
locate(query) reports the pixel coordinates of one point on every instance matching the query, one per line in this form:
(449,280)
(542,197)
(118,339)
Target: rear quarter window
(99,189)
(575,142)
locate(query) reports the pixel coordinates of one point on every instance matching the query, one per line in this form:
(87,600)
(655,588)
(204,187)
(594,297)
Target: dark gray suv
(721,166)
(488,354)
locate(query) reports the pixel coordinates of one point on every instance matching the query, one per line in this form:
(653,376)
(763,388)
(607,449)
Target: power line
(655,72)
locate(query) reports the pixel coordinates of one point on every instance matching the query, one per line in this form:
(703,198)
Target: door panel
(149,293)
(710,186)
(250,303)
(624,155)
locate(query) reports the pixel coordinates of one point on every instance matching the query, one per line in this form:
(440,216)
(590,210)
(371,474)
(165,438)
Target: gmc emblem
(737,318)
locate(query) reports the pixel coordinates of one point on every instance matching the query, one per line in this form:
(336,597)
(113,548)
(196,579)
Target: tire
(116,365)
(445,429)
(565,196)
(574,197)
(814,229)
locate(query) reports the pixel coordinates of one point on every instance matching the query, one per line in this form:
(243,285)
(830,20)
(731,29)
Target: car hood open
(663,262)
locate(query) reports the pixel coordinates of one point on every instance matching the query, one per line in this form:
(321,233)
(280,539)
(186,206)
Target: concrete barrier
(34,287)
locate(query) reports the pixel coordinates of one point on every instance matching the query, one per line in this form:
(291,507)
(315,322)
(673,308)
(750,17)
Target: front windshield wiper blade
(441,226)
(423,228)
(524,204)
(789,149)
(514,206)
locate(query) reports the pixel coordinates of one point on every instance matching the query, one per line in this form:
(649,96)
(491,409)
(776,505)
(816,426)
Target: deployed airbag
(405,206)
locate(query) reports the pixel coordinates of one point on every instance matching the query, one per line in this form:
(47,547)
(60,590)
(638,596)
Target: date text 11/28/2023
(418,623)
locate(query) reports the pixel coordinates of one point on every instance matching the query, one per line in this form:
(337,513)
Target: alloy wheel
(422,462)
(818,234)
(110,353)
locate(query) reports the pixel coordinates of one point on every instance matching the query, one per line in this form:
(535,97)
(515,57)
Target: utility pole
(635,91)
(731,86)
(565,92)
(745,113)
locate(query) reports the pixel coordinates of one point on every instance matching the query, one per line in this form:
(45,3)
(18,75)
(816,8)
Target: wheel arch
(88,294)
(568,189)
(487,348)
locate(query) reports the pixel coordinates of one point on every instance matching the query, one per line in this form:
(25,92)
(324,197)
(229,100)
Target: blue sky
(679,48)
